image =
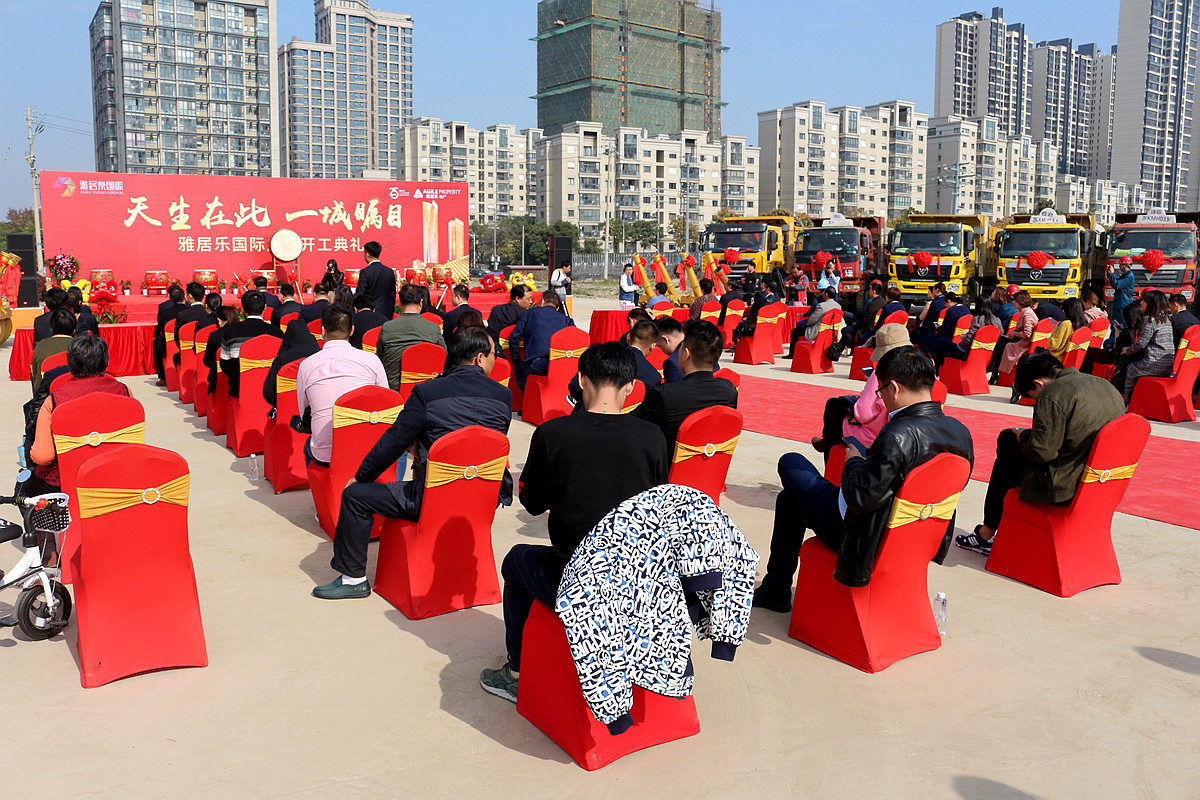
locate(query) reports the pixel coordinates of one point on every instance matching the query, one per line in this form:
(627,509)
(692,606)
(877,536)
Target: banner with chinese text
(131,223)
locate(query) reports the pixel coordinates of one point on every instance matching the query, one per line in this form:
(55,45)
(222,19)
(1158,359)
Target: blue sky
(474,61)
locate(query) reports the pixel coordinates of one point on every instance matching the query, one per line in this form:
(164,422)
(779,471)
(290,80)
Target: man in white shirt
(327,375)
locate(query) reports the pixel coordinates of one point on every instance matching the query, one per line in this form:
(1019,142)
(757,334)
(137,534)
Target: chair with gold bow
(1100,327)
(733,317)
(635,397)
(248,411)
(187,362)
(729,375)
(370,341)
(782,333)
(1170,399)
(969,376)
(84,427)
(360,417)
(871,627)
(657,358)
(283,453)
(200,373)
(502,373)
(172,372)
(550,697)
(861,356)
(1077,348)
(218,405)
(444,560)
(811,358)
(1064,550)
(711,311)
(51,362)
(419,362)
(518,397)
(135,614)
(288,319)
(1041,338)
(704,448)
(316,329)
(759,347)
(429,316)
(546,395)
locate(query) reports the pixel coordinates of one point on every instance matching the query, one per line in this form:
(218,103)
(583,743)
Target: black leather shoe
(771,600)
(336,590)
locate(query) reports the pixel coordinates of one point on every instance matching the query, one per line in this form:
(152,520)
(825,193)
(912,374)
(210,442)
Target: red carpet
(793,411)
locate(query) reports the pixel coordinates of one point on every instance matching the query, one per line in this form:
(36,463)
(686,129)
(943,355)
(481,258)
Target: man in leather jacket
(851,520)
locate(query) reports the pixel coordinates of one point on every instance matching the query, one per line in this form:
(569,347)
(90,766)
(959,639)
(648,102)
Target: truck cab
(1066,240)
(956,245)
(1174,235)
(765,244)
(855,245)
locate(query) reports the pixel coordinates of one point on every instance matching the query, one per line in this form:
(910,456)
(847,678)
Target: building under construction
(652,64)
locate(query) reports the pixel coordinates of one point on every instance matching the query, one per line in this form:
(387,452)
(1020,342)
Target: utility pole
(955,176)
(37,205)
(522,241)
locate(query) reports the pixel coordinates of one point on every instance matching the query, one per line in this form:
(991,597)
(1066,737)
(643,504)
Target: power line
(68,119)
(63,128)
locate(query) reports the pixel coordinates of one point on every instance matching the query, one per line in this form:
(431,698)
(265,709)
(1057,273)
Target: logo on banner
(66,185)
(417,194)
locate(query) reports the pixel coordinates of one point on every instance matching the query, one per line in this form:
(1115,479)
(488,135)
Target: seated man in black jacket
(366,318)
(85,320)
(575,472)
(462,395)
(668,405)
(235,335)
(861,324)
(851,520)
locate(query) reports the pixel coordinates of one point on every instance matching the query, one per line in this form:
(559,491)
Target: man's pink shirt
(324,377)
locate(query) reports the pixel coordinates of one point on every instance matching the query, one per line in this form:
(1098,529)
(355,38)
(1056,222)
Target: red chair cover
(218,406)
(969,376)
(351,443)
(138,608)
(733,315)
(1040,338)
(432,317)
(283,454)
(834,464)
(711,311)
(318,331)
(57,383)
(758,348)
(704,449)
(248,411)
(546,395)
(105,419)
(938,393)
(287,319)
(502,373)
(419,362)
(729,375)
(871,627)
(187,362)
(657,358)
(169,359)
(551,698)
(635,397)
(810,357)
(518,396)
(370,340)
(1170,399)
(1099,327)
(782,331)
(52,362)
(861,356)
(1064,550)
(960,328)
(444,561)
(1081,340)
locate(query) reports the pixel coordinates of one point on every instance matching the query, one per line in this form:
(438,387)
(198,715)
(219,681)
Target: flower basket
(63,267)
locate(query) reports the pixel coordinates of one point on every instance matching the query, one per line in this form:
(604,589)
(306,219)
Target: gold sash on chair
(283,385)
(686,451)
(247,364)
(710,316)
(99,501)
(200,347)
(439,473)
(417,377)
(187,344)
(134,434)
(1073,346)
(345,417)
(370,348)
(978,345)
(556,354)
(1091,475)
(906,511)
(828,326)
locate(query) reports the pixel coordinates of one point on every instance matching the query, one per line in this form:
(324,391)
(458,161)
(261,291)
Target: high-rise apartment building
(1100,164)
(497,163)
(647,64)
(822,160)
(983,68)
(1068,97)
(1154,105)
(587,177)
(345,96)
(184,87)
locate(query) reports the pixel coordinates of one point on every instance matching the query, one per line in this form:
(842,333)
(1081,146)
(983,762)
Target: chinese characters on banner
(182,223)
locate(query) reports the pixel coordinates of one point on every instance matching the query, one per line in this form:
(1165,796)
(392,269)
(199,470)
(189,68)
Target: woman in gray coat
(1155,339)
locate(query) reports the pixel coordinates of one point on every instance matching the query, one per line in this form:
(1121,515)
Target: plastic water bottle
(21,456)
(939,612)
(253,467)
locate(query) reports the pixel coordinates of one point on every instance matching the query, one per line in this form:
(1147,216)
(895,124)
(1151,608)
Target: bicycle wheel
(33,613)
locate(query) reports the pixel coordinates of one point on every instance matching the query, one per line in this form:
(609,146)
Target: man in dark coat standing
(377,281)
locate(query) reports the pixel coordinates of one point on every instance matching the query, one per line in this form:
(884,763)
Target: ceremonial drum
(269,274)
(156,280)
(285,245)
(441,276)
(101,275)
(206,278)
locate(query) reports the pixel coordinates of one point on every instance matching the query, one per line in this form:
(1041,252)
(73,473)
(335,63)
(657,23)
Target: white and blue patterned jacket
(622,597)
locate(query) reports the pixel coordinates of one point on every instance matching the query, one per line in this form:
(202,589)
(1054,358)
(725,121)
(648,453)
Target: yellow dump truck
(765,245)
(1067,242)
(956,248)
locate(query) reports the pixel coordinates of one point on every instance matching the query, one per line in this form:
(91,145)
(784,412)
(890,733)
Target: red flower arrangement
(922,259)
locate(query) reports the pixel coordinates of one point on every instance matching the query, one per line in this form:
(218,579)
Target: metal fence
(590,266)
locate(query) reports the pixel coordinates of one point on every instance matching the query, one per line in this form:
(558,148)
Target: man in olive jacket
(851,519)
(1047,460)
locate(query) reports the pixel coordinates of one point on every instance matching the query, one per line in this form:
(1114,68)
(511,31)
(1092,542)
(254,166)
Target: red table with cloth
(608,326)
(130,350)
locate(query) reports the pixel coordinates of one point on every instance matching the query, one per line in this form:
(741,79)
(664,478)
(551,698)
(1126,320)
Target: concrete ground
(1031,696)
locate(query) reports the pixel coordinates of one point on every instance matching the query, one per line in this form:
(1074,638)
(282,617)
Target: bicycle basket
(52,518)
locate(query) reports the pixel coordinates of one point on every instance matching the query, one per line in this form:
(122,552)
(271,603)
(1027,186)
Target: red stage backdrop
(131,223)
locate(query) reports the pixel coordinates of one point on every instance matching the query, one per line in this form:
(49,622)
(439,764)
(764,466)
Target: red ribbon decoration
(922,259)
(1152,260)
(1037,259)
(732,255)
